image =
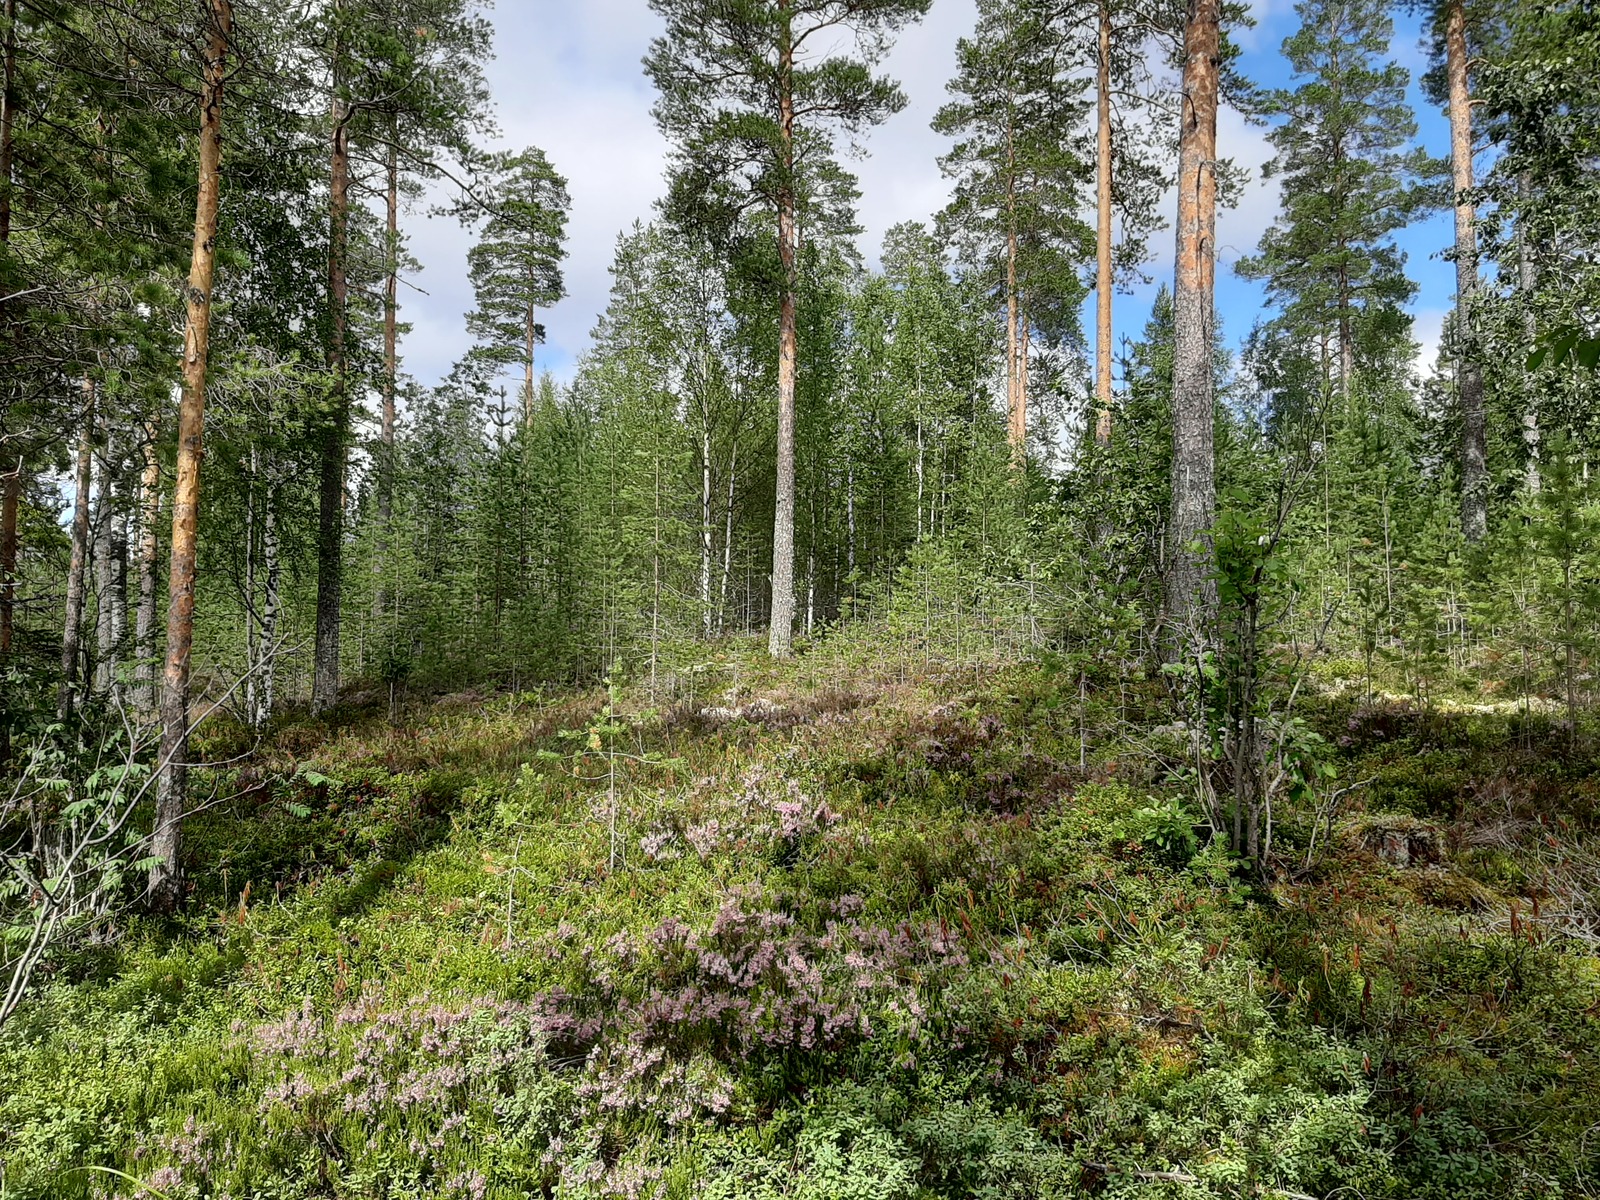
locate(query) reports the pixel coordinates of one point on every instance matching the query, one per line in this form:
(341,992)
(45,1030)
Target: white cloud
(901,180)
(1427,329)
(568,80)
(1266,33)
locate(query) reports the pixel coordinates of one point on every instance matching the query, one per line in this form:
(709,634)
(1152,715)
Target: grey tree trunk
(706,615)
(271,607)
(781,633)
(78,563)
(110,568)
(1190,590)
(265,567)
(144,632)
(727,540)
(1527,280)
(1103,281)
(330,499)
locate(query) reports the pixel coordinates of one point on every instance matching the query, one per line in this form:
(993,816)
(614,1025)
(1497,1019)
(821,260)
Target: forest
(1045,700)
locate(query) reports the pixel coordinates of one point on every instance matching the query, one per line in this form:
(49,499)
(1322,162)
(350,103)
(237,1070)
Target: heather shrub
(892,949)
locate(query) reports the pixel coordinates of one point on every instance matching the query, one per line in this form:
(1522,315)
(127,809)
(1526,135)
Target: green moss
(1096,1005)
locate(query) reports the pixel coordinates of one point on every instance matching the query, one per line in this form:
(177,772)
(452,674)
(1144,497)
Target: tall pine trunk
(781,631)
(391,374)
(1190,589)
(172,790)
(530,337)
(78,562)
(1102,429)
(144,629)
(330,517)
(1024,341)
(1469,376)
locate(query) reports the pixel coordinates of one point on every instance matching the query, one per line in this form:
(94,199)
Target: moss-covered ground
(835,931)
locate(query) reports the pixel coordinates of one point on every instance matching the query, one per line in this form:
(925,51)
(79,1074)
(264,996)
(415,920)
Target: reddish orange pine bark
(1190,590)
(1469,377)
(171,794)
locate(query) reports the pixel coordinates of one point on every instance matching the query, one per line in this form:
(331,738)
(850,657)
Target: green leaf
(123,1175)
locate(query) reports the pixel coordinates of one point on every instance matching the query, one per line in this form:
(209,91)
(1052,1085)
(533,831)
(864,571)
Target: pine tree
(1351,178)
(401,73)
(515,267)
(1021,176)
(1190,592)
(753,100)
(171,796)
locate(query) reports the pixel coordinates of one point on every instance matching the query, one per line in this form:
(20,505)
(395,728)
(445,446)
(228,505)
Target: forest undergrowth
(831,929)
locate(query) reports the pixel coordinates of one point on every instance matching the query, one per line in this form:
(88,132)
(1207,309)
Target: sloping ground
(833,935)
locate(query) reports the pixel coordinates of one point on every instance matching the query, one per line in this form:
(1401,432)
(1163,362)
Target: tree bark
(781,631)
(1016,421)
(531,335)
(172,790)
(1526,281)
(261,629)
(8,116)
(391,336)
(1019,443)
(1103,284)
(265,678)
(330,520)
(1016,402)
(1469,377)
(1190,589)
(706,534)
(78,564)
(727,540)
(10,503)
(105,566)
(144,631)
(391,373)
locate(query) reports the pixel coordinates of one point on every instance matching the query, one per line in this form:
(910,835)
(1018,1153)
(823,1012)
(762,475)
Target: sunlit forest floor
(843,928)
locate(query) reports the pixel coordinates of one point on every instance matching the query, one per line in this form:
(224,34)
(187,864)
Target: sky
(567,78)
